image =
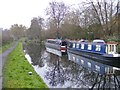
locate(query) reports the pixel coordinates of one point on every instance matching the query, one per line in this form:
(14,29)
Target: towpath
(3,57)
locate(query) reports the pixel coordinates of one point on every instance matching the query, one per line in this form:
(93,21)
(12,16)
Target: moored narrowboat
(97,50)
(58,44)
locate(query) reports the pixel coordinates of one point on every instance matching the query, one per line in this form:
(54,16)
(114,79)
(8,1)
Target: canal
(70,71)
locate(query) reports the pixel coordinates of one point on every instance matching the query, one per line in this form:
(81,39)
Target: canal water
(70,71)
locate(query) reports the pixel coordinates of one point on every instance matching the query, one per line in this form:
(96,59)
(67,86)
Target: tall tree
(105,11)
(57,11)
(99,13)
(6,37)
(71,27)
(35,29)
(17,31)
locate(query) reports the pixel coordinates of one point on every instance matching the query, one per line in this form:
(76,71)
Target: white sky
(22,11)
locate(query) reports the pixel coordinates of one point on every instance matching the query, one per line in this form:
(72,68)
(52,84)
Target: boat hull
(56,47)
(112,61)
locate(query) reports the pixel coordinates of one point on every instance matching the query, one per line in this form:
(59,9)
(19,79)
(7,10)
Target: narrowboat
(57,44)
(97,50)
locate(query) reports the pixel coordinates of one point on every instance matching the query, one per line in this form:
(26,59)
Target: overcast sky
(22,11)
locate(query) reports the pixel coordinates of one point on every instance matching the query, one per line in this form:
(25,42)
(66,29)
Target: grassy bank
(16,72)
(5,47)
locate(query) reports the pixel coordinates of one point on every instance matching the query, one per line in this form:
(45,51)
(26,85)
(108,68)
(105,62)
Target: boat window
(77,46)
(98,47)
(51,41)
(82,62)
(73,45)
(82,46)
(109,70)
(106,69)
(73,58)
(77,60)
(97,68)
(64,43)
(112,48)
(70,45)
(89,47)
(58,43)
(89,64)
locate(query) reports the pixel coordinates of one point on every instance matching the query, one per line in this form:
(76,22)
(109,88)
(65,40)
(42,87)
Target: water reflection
(54,51)
(56,72)
(66,73)
(91,65)
(35,51)
(69,72)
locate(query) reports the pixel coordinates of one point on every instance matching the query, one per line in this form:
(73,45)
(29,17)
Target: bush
(113,38)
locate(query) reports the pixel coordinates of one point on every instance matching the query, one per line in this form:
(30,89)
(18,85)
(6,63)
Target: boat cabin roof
(58,41)
(112,43)
(99,41)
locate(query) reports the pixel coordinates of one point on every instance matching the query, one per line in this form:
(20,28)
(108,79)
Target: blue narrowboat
(57,44)
(97,50)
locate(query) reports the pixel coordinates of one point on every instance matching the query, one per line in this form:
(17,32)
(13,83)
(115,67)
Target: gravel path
(3,57)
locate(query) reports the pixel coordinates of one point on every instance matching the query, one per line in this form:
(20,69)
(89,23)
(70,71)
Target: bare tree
(105,12)
(57,11)
(100,13)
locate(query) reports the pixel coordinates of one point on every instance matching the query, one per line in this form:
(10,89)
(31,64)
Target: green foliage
(6,37)
(34,32)
(5,47)
(113,38)
(18,31)
(16,72)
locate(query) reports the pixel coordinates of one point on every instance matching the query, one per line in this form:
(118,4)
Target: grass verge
(16,72)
